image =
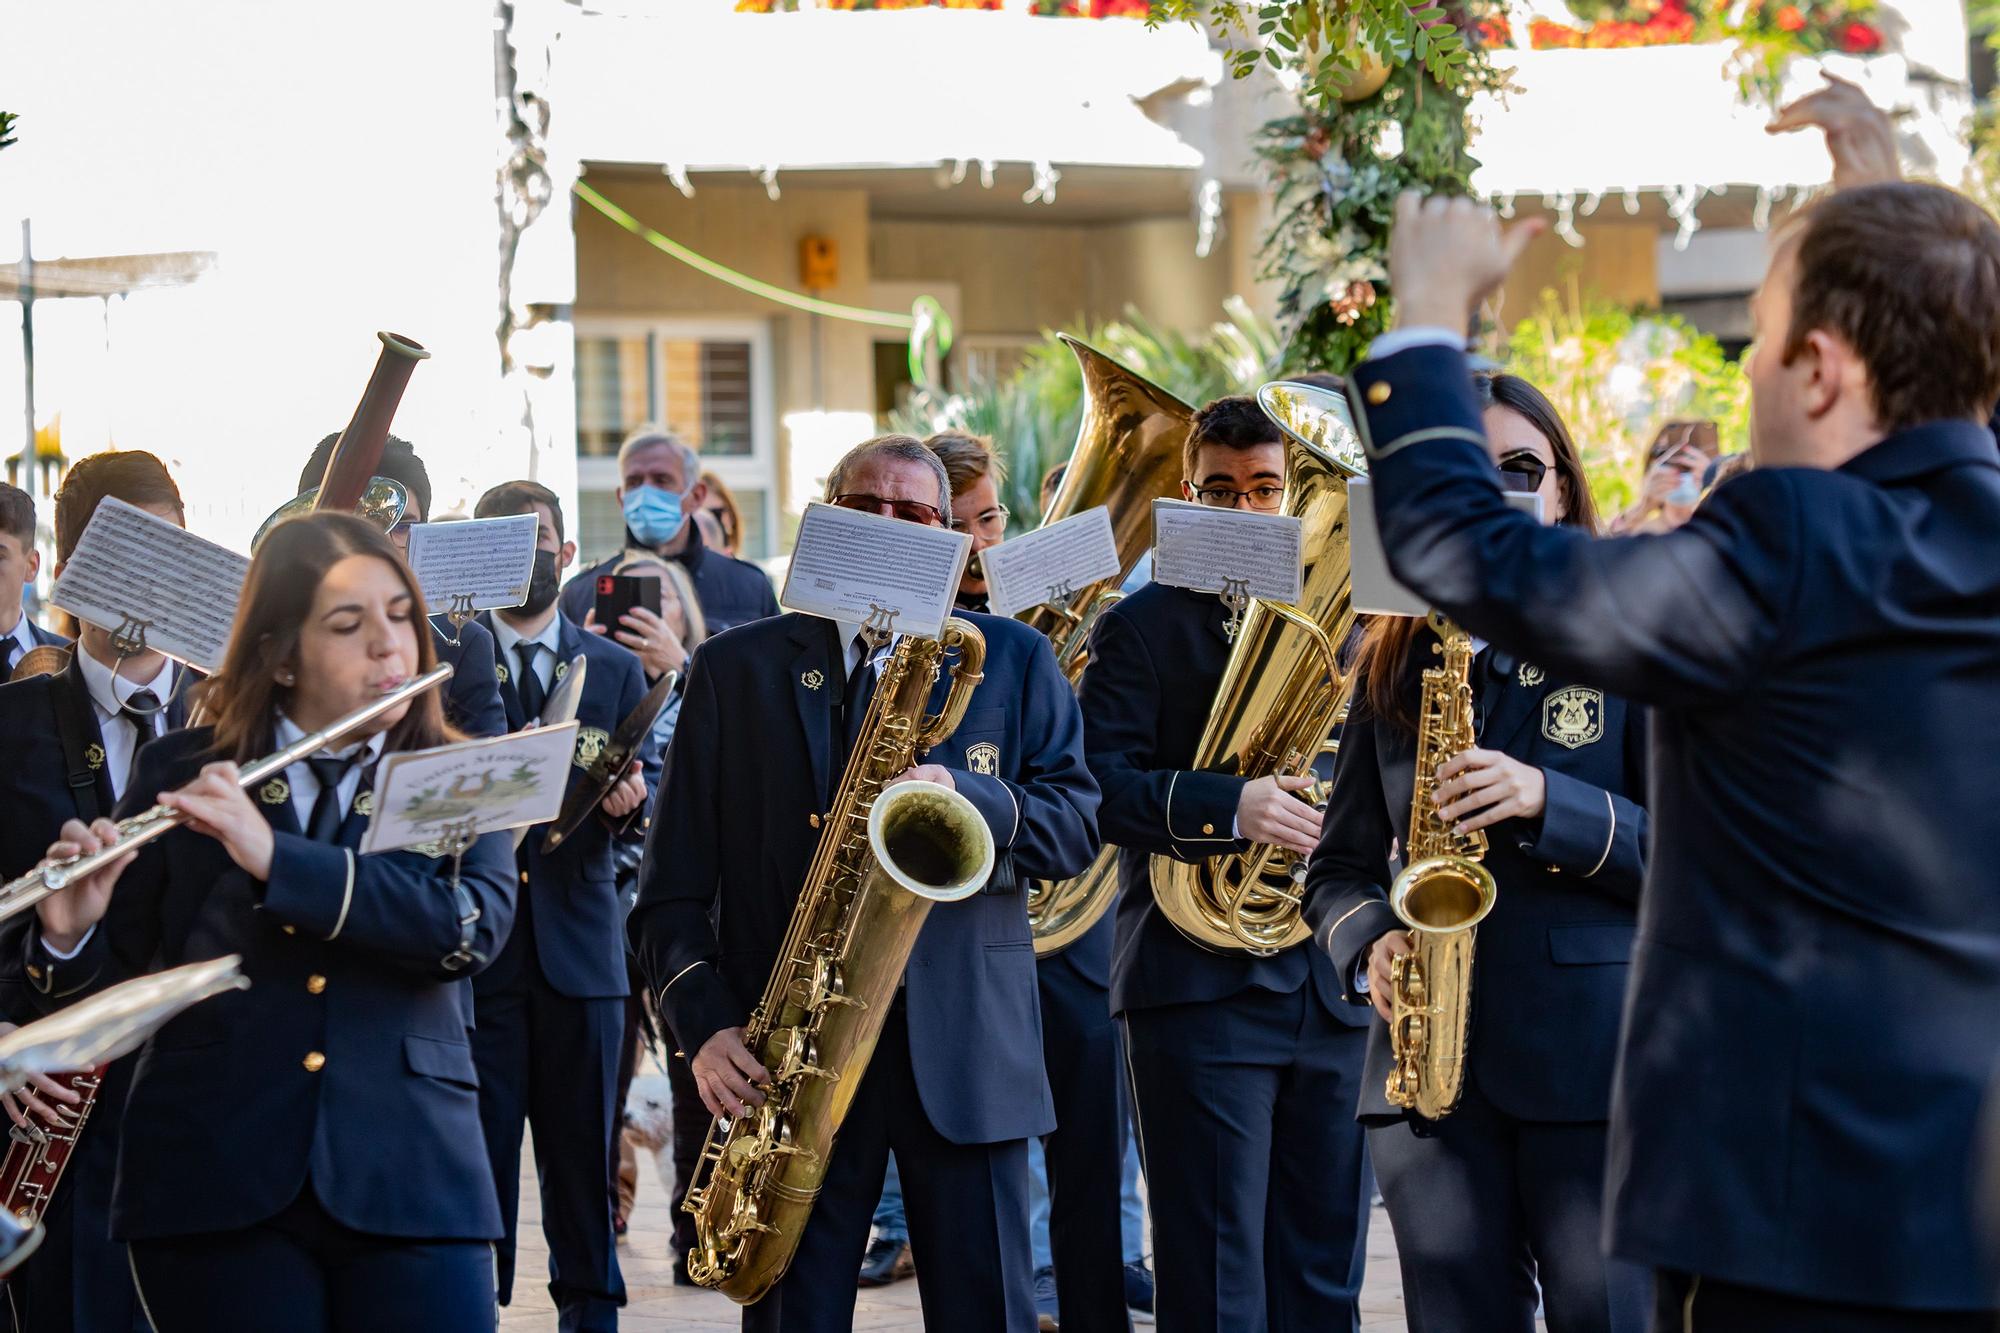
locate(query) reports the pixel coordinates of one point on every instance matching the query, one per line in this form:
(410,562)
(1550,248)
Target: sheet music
(1197,547)
(501,782)
(481,563)
(1048,564)
(134,571)
(848,565)
(1376,591)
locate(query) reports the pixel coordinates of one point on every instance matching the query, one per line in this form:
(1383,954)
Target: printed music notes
(871,569)
(153,584)
(474,564)
(1051,563)
(1218,550)
(425,797)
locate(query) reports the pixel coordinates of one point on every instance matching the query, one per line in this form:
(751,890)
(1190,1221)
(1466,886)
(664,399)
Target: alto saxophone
(1442,895)
(884,857)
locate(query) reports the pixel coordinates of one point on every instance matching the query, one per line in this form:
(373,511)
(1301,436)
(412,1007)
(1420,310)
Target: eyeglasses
(992,524)
(1522,473)
(910,511)
(1261,498)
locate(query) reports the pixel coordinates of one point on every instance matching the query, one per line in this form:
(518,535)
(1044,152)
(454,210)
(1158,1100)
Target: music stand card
(474,564)
(153,584)
(428,796)
(871,569)
(1220,550)
(1377,592)
(1050,563)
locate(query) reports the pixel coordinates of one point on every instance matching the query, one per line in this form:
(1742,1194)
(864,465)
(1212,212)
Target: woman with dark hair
(307,1154)
(1502,1196)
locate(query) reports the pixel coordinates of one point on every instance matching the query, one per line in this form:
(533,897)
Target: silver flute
(20,895)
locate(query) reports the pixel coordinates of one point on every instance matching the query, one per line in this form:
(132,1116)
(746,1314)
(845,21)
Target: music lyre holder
(129,640)
(1060,593)
(1235,596)
(458,613)
(880,625)
(454,840)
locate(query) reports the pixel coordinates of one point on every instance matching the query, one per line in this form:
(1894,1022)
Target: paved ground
(656,1305)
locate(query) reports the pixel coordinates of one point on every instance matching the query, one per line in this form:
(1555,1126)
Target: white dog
(649,1124)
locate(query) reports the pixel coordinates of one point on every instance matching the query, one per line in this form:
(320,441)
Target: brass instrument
(348,484)
(1281,691)
(1128,454)
(44,659)
(21,895)
(885,855)
(1442,895)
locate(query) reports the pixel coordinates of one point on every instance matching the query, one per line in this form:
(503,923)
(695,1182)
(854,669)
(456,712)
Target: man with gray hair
(660,490)
(956,1086)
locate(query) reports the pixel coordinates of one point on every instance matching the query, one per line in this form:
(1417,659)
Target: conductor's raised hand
(1446,255)
(216,804)
(66,916)
(1859,135)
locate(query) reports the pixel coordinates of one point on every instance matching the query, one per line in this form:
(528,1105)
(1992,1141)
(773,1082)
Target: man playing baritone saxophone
(1244,1070)
(955,1085)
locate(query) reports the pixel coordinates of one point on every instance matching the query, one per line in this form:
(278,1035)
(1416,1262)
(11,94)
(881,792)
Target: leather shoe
(884,1262)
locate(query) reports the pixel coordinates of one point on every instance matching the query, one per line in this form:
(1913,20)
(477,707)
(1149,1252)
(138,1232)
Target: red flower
(1789,19)
(1494,31)
(1859,39)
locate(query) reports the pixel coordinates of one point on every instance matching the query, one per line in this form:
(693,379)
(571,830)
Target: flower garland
(1087,9)
(1779,28)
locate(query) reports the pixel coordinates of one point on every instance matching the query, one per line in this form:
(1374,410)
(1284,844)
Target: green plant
(7,122)
(1331,43)
(1616,375)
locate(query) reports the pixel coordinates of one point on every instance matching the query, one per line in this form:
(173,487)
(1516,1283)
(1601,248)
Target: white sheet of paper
(133,569)
(488,560)
(1201,548)
(1376,591)
(1037,567)
(848,565)
(501,782)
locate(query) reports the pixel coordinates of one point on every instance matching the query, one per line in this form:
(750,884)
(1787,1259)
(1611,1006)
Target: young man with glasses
(1239,1066)
(955,1086)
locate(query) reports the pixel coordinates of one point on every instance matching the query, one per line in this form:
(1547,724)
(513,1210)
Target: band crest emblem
(1573,717)
(1530,675)
(590,743)
(93,754)
(813,679)
(275,792)
(500,671)
(983,758)
(364,803)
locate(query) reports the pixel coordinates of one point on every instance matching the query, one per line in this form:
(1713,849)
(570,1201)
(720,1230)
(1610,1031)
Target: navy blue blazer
(226,1122)
(1549,964)
(732,592)
(472,695)
(45,638)
(1815,1004)
(747,776)
(1155,661)
(576,915)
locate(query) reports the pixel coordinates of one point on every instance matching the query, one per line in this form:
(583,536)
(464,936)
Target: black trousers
(303,1272)
(1245,1111)
(1484,1205)
(79,1280)
(1085,1156)
(551,1061)
(691,1124)
(967,1205)
(1685,1303)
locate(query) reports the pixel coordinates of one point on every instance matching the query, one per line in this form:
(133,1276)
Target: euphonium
(884,857)
(1280,692)
(1442,895)
(1128,454)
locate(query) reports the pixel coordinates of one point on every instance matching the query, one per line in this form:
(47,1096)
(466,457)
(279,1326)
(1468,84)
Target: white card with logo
(474,564)
(426,796)
(143,577)
(1377,592)
(1212,550)
(1051,563)
(871,568)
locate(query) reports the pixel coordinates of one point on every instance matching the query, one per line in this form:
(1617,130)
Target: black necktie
(142,709)
(327,814)
(528,686)
(9,649)
(860,690)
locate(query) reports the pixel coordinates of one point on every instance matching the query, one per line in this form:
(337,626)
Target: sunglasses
(910,511)
(1522,473)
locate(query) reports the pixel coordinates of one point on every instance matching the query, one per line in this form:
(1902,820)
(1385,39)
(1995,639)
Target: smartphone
(619,593)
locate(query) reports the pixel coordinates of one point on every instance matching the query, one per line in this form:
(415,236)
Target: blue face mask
(653,515)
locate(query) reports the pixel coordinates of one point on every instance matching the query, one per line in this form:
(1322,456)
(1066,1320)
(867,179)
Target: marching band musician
(1242,1068)
(550,1011)
(1815,994)
(955,1085)
(20,562)
(472,695)
(1084,1158)
(305,1155)
(1505,1191)
(73,736)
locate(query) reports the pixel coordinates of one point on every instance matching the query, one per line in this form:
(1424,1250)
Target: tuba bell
(1128,454)
(1281,691)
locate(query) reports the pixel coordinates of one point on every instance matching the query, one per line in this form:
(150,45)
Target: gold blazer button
(315,984)
(1378,393)
(314,1062)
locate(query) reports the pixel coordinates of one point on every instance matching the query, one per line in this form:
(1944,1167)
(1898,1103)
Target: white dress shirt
(108,693)
(549,638)
(305,783)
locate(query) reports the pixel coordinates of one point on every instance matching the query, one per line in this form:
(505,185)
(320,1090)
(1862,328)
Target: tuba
(885,855)
(1128,454)
(1442,895)
(1280,693)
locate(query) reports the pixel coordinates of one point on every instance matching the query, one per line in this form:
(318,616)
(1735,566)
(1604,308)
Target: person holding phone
(1677,462)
